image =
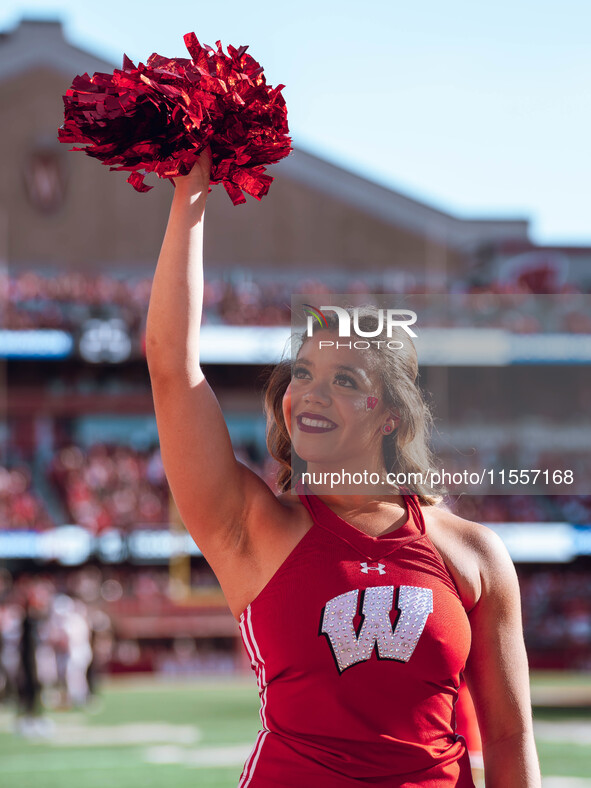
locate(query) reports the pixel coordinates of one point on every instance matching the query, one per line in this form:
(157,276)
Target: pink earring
(387,429)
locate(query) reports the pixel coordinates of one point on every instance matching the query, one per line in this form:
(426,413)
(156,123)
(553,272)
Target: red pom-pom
(158,117)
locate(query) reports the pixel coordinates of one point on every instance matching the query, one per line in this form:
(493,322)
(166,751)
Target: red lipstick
(314,422)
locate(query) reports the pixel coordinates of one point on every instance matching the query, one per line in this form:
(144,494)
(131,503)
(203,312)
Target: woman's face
(333,407)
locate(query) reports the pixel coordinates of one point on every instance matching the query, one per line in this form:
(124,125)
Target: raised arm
(212,490)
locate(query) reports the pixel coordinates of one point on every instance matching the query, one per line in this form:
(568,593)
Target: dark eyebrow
(355,370)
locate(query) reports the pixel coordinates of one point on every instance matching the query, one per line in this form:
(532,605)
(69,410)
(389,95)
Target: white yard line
(568,731)
(40,762)
(231,755)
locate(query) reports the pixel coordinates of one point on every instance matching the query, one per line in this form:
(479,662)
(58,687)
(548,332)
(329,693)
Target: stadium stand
(66,300)
(77,445)
(107,486)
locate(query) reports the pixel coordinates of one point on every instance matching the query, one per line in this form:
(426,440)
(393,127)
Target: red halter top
(357,643)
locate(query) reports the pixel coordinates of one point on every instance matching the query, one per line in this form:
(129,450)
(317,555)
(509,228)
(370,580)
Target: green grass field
(150,734)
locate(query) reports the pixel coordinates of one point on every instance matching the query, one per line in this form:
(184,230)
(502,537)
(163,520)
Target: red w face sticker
(371,403)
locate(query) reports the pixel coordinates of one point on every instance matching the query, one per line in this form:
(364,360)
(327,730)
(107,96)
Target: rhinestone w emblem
(379,568)
(398,643)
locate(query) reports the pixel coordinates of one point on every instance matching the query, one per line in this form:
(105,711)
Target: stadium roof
(35,43)
(395,208)
(38,43)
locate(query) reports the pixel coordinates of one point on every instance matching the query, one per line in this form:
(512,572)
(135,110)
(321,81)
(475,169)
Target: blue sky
(479,109)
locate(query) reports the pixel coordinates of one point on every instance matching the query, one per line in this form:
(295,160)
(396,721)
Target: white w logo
(349,647)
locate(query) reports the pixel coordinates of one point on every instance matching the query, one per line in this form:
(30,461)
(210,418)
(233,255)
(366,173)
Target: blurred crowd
(556,607)
(21,508)
(114,486)
(574,509)
(111,486)
(67,300)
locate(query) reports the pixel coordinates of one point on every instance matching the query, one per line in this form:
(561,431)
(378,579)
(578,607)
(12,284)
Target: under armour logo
(379,568)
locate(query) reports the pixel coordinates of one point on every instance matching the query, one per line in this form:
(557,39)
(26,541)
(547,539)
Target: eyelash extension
(347,378)
(339,375)
(296,370)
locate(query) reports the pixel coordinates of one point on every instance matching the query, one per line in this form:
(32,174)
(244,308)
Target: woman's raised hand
(198,179)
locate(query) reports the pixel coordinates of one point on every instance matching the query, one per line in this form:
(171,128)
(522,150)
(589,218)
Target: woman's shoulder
(275,516)
(271,527)
(480,537)
(473,553)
